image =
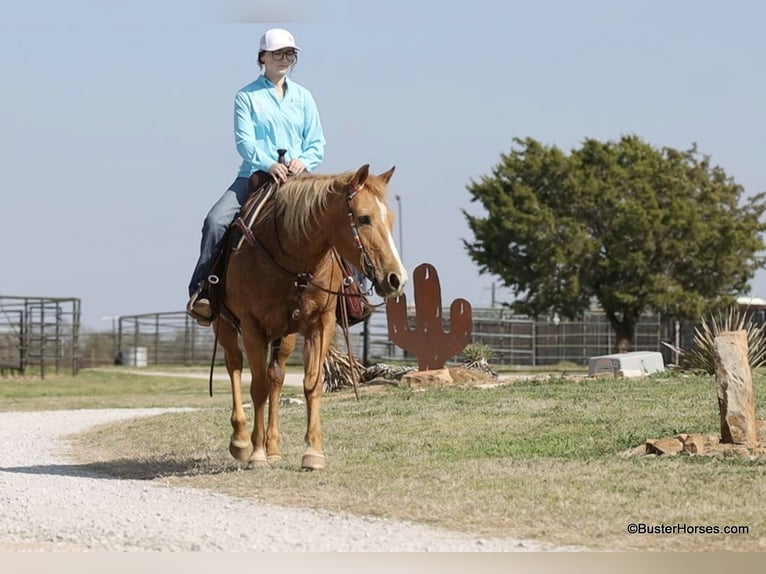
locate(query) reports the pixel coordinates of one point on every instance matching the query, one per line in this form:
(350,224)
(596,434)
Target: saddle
(352,302)
(258,184)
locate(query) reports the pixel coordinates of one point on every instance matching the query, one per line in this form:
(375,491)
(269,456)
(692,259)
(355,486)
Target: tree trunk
(623,331)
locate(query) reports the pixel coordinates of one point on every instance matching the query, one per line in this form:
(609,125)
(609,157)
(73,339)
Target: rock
(634,452)
(698,444)
(736,400)
(760,431)
(728,449)
(433,378)
(666,446)
(695,443)
(464,375)
(290,401)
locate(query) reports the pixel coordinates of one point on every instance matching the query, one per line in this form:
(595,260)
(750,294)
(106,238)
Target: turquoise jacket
(263,123)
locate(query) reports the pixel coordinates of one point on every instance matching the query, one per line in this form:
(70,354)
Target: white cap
(276,39)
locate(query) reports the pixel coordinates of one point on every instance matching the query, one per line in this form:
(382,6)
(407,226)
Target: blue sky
(116,118)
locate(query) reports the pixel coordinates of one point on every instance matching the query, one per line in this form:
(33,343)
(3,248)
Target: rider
(269,113)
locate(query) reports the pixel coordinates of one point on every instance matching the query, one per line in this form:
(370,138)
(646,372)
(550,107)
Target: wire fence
(174,338)
(44,333)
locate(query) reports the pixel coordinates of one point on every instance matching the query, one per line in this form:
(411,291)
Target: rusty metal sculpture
(428,340)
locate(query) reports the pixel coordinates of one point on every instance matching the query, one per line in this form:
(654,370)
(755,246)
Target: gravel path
(48,503)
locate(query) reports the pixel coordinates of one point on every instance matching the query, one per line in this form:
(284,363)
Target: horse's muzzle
(391,286)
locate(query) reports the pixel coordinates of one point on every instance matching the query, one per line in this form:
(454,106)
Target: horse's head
(369,242)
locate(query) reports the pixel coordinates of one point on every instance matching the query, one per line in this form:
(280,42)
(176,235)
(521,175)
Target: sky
(116,130)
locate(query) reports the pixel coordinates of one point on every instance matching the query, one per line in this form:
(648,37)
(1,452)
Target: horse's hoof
(240,450)
(274,458)
(313,460)
(257,460)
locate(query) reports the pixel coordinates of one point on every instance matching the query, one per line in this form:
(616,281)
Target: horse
(285,281)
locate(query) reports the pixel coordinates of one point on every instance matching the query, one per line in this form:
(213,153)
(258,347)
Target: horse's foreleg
(314,352)
(255,347)
(240,446)
(276,377)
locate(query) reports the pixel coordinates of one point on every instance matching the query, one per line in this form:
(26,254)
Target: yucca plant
(477,356)
(339,369)
(702,356)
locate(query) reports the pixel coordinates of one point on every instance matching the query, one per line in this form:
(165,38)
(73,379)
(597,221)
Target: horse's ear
(361,175)
(386,175)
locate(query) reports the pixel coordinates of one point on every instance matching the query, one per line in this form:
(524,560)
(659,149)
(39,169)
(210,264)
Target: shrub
(702,356)
(477,356)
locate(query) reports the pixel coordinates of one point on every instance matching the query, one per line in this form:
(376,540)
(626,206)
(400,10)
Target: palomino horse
(286,282)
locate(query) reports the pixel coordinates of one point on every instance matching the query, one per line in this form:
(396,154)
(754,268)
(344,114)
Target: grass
(532,459)
(115,388)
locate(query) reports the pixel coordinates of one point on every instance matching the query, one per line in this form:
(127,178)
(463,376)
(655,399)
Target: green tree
(631,227)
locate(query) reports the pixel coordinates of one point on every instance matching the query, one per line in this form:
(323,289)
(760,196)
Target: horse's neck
(309,251)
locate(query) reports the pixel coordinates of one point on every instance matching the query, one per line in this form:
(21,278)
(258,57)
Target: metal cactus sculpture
(428,340)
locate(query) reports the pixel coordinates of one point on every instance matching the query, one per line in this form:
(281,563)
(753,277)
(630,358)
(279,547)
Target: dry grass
(536,459)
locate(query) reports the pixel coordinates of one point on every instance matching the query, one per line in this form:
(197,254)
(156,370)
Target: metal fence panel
(175,338)
(43,332)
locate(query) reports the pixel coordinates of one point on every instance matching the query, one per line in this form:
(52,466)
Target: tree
(631,227)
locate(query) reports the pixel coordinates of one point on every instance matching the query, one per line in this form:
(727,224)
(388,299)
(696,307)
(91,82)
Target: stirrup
(203,320)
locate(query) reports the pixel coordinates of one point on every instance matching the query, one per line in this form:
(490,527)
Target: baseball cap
(276,39)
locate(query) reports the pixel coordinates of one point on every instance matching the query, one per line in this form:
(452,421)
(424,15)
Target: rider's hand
(279,172)
(296,166)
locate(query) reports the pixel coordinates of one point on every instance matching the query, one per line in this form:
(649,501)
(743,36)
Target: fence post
(157,339)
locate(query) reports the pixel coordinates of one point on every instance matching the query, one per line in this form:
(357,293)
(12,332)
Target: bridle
(367,267)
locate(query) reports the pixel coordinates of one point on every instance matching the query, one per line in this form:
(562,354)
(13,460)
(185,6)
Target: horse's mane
(300,199)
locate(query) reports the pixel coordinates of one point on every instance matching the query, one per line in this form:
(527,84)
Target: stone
(666,446)
(634,452)
(695,443)
(760,431)
(701,444)
(736,400)
(432,378)
(463,375)
(290,401)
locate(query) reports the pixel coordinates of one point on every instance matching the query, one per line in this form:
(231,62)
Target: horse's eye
(364,220)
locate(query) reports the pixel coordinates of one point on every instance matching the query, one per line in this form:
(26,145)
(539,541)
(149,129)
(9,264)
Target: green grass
(533,459)
(112,388)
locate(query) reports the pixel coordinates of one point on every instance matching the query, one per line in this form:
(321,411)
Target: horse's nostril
(393,280)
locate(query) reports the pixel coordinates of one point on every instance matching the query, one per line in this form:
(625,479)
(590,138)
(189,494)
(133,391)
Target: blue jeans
(218,219)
